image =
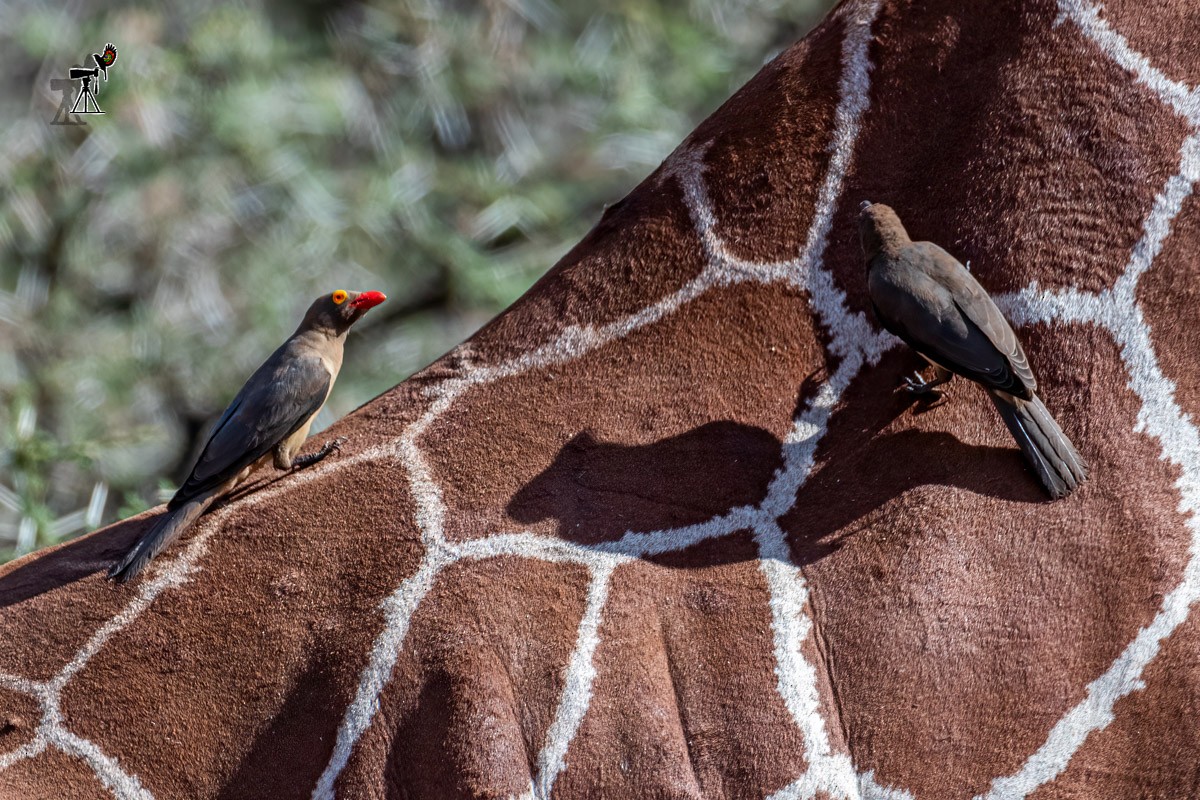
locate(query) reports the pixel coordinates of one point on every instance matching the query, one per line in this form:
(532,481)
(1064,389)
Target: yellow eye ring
(339,297)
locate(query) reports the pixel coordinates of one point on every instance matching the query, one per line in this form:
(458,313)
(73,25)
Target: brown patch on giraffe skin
(986,627)
(643,249)
(593,441)
(1153,727)
(476,684)
(765,198)
(1169,296)
(1154,28)
(52,775)
(684,701)
(20,715)
(1033,156)
(243,708)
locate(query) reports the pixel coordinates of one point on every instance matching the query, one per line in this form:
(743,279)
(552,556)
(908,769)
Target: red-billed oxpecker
(268,419)
(925,296)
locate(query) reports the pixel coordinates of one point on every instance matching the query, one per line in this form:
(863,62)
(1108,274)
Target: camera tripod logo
(89,84)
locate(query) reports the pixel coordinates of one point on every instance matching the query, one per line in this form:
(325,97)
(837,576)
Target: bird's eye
(339,296)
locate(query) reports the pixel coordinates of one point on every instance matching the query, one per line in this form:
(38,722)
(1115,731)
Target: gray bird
(268,419)
(923,295)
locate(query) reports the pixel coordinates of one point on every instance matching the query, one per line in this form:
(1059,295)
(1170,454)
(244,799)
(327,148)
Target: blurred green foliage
(254,155)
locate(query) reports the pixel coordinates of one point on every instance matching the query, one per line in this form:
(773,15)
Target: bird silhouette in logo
(107,60)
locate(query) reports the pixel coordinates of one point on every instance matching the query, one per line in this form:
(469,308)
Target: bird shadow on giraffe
(872,452)
(881,443)
(599,490)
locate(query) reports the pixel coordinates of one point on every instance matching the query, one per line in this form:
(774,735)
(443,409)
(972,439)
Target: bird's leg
(919,386)
(300,462)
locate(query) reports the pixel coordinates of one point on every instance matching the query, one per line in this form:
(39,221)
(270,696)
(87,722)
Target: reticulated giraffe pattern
(853,345)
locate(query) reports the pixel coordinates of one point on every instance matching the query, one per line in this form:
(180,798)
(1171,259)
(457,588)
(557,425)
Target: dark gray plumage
(269,417)
(923,295)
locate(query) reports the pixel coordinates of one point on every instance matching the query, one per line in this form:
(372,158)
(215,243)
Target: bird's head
(878,228)
(337,311)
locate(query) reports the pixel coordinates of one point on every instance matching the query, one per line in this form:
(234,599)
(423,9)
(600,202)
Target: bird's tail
(164,531)
(1055,460)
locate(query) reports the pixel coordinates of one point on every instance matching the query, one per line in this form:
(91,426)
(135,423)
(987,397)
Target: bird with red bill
(268,420)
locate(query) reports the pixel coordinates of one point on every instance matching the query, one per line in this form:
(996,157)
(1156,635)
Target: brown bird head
(337,311)
(879,229)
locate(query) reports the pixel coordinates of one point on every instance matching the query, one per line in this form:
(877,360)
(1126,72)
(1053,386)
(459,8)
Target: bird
(269,418)
(103,62)
(923,295)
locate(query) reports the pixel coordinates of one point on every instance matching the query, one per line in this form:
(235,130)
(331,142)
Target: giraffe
(662,529)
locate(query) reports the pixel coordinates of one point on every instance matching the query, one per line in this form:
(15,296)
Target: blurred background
(254,155)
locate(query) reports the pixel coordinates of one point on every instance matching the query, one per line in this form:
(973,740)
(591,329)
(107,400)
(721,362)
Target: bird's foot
(312,458)
(916,385)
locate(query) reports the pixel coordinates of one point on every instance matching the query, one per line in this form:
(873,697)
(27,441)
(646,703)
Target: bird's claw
(329,447)
(917,385)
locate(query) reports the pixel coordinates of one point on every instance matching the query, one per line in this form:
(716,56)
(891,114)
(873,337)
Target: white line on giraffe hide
(19,684)
(687,166)
(579,676)
(106,769)
(863,786)
(30,749)
(1157,226)
(796,678)
(34,747)
(542,548)
(399,608)
(854,341)
(854,97)
(1069,305)
(430,514)
(1161,417)
(52,732)
(1179,96)
(800,444)
(669,540)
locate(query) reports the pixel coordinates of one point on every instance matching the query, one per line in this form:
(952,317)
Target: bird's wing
(981,310)
(975,303)
(277,400)
(925,313)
